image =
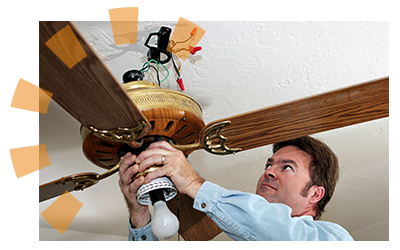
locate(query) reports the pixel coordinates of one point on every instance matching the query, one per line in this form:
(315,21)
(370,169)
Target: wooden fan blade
(323,112)
(194,225)
(87,90)
(69,183)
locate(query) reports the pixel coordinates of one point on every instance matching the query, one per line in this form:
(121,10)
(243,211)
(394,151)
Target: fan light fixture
(165,224)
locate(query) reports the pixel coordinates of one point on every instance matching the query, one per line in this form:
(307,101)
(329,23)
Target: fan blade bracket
(211,140)
(214,141)
(74,182)
(109,172)
(84,181)
(125,135)
(81,182)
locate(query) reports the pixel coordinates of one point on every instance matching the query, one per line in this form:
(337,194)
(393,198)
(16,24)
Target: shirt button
(203,205)
(144,237)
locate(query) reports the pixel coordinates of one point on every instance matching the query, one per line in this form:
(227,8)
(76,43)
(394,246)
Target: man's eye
(268,166)
(287,167)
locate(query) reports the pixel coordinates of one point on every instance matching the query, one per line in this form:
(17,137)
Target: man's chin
(268,197)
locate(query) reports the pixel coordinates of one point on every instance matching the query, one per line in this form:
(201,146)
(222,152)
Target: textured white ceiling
(245,66)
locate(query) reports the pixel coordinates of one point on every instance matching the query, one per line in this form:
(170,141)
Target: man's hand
(176,166)
(139,214)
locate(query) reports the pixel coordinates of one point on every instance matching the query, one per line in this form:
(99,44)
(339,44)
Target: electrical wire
(146,66)
(154,79)
(167,73)
(177,69)
(173,43)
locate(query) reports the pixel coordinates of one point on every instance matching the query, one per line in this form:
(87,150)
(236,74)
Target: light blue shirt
(245,216)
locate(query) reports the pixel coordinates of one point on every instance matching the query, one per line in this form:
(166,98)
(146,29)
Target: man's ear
(318,194)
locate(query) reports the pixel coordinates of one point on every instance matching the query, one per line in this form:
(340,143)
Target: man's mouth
(268,185)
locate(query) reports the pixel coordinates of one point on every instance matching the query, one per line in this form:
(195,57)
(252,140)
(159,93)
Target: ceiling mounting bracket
(211,140)
(126,135)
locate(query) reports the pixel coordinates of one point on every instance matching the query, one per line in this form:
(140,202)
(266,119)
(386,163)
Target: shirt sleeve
(141,234)
(245,216)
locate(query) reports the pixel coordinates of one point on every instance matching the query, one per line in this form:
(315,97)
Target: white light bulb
(165,224)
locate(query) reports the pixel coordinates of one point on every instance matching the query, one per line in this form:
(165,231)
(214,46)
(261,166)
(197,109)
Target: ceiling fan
(115,119)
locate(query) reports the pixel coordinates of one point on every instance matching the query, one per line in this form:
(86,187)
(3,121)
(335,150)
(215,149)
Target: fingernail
(126,156)
(141,179)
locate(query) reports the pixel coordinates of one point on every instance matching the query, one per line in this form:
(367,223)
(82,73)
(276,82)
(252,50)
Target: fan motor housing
(174,117)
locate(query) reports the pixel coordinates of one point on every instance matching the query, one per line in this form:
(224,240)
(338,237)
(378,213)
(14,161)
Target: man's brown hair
(324,167)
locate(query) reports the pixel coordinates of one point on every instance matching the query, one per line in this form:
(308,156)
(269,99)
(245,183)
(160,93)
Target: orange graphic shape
(62,212)
(67,47)
(29,159)
(31,97)
(44,100)
(181,38)
(124,24)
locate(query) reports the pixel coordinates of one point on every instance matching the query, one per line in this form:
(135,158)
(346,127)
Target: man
(298,182)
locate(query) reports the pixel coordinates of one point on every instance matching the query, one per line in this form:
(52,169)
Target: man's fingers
(151,152)
(128,171)
(127,160)
(134,186)
(162,145)
(151,160)
(123,165)
(155,174)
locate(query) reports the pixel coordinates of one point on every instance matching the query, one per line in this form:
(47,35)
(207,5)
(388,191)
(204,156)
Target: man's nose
(270,173)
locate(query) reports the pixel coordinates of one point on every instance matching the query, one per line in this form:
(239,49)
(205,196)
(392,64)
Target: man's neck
(312,212)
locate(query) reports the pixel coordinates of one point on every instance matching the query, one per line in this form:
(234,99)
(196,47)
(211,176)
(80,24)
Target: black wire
(158,75)
(176,68)
(152,66)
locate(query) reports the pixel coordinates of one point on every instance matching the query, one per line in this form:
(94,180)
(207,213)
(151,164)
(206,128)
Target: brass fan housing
(173,115)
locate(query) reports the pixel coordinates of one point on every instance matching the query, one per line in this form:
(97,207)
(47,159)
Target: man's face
(286,175)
